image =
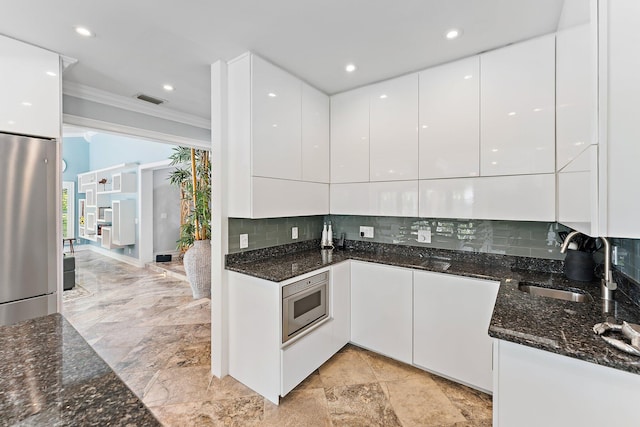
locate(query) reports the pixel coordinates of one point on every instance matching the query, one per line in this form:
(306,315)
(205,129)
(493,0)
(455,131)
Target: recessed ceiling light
(350,68)
(27,103)
(84,32)
(424,126)
(383,96)
(168,87)
(11,122)
(51,73)
(513,113)
(453,33)
(271,95)
(468,76)
(536,110)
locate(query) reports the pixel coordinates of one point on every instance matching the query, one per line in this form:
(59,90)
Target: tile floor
(157,339)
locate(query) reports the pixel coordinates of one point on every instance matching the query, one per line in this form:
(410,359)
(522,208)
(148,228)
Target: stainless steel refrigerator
(27,228)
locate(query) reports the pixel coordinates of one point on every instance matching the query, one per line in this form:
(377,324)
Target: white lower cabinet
(538,388)
(451,316)
(381,309)
(306,355)
(518,197)
(257,357)
(341,308)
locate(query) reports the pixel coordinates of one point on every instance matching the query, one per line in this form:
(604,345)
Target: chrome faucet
(607,284)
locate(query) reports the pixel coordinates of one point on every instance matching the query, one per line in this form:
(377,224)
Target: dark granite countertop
(50,376)
(561,327)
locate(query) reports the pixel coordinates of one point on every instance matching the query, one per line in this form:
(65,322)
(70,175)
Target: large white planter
(197,265)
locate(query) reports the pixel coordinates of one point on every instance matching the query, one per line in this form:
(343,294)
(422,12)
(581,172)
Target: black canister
(579,265)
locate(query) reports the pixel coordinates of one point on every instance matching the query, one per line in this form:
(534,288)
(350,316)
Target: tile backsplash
(518,238)
(628,257)
(264,233)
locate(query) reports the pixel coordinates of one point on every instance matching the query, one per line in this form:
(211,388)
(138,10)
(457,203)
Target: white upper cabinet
(578,193)
(393,124)
(350,136)
(576,92)
(516,198)
(30,89)
(315,135)
(450,120)
(393,198)
(517,84)
(278,143)
(620,118)
(276,121)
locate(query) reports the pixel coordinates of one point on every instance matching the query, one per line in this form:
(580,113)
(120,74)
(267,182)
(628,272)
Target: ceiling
(140,45)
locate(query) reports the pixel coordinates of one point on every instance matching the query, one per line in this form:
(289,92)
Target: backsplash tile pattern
(628,259)
(264,233)
(518,238)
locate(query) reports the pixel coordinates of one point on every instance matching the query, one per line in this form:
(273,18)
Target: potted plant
(192,174)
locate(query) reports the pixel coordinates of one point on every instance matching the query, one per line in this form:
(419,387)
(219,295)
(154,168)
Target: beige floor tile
(196,354)
(386,369)
(298,408)
(138,381)
(420,402)
(361,405)
(313,381)
(346,368)
(475,405)
(227,388)
(178,385)
(240,412)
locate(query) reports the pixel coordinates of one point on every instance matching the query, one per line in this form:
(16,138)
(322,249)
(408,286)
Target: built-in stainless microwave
(304,304)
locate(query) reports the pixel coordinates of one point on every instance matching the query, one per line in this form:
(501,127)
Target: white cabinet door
(30,88)
(396,198)
(458,346)
(381,309)
(393,125)
(276,116)
(350,136)
(578,193)
(535,388)
(315,135)
(576,91)
(306,355)
(450,120)
(274,198)
(341,309)
(350,199)
(619,98)
(517,198)
(517,84)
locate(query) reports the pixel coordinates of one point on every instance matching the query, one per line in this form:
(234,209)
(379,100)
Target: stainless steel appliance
(27,228)
(304,304)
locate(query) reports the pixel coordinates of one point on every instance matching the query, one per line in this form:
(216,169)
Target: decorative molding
(118,101)
(131,131)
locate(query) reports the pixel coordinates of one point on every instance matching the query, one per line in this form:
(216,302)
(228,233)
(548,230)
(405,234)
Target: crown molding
(98,125)
(118,101)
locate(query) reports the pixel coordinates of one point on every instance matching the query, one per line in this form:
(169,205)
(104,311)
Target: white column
(219,221)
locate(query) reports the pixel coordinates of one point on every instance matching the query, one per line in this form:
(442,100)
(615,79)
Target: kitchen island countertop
(50,376)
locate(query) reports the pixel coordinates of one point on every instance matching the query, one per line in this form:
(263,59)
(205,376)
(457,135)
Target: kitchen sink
(435,265)
(574,296)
